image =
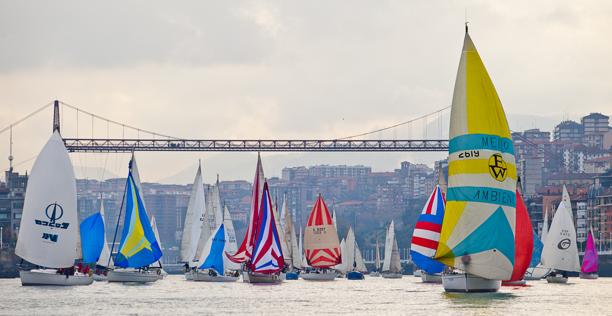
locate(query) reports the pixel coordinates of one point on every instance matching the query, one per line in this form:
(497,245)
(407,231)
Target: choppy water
(374,296)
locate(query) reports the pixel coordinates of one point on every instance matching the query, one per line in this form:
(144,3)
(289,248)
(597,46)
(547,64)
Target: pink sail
(590,262)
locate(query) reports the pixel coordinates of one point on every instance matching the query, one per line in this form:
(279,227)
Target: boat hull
(259,278)
(318,276)
(355,275)
(391,275)
(536,273)
(132,276)
(205,277)
(469,283)
(49,277)
(556,279)
(100,277)
(514,283)
(293,276)
(431,278)
(589,276)
(374,274)
(417,273)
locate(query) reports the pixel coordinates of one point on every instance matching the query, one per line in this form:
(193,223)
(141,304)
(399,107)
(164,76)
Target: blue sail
(92,237)
(138,246)
(537,251)
(214,260)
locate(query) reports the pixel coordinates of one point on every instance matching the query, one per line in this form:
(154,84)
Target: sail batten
(477,233)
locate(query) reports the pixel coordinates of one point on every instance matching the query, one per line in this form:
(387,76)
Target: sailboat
(341,268)
(283,241)
(193,225)
(49,230)
(351,263)
(560,250)
(214,261)
(295,262)
(94,245)
(138,247)
(536,270)
(376,272)
(392,267)
(426,235)
(321,244)
(477,236)
(523,244)
(590,263)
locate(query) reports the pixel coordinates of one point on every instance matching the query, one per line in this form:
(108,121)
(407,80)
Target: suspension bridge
(161,142)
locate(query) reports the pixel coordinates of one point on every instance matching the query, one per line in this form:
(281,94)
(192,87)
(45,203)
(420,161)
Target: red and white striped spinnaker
(246,248)
(320,238)
(267,251)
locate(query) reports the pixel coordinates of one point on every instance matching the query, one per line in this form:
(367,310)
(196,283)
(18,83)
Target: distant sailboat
(392,267)
(477,235)
(193,225)
(536,271)
(157,265)
(560,250)
(49,230)
(351,264)
(376,272)
(523,243)
(214,261)
(590,262)
(295,263)
(426,235)
(138,247)
(321,243)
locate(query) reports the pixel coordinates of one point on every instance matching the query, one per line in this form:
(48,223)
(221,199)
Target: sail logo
(50,237)
(498,167)
(53,212)
(564,244)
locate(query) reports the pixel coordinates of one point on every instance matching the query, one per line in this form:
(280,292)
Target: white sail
(396,265)
(545,227)
(216,204)
(334,218)
(105,256)
(560,251)
(360,263)
(301,250)
(205,233)
(389,239)
(342,265)
(193,219)
(377,259)
(350,245)
(49,234)
(156,233)
(281,235)
(293,257)
(230,240)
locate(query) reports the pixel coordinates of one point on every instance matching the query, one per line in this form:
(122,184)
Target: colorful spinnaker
(477,233)
(321,242)
(138,247)
(214,251)
(245,250)
(427,233)
(523,241)
(267,257)
(590,262)
(92,237)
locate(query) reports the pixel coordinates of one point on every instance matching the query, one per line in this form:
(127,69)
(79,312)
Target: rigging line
(394,125)
(25,118)
(116,122)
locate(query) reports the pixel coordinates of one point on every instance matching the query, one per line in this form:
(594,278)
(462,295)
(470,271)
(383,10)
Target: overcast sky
(287,69)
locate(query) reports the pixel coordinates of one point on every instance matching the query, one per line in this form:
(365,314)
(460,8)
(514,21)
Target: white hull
(100,277)
(556,279)
(536,273)
(50,277)
(589,276)
(468,283)
(391,275)
(431,278)
(132,276)
(318,276)
(205,277)
(417,273)
(189,276)
(374,274)
(254,278)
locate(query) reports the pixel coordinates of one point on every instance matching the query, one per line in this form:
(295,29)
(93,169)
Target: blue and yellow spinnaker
(478,229)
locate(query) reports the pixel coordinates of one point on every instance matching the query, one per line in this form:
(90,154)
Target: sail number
(469,154)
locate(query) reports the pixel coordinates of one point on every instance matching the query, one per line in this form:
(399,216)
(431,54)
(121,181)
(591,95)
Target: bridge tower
(56,116)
